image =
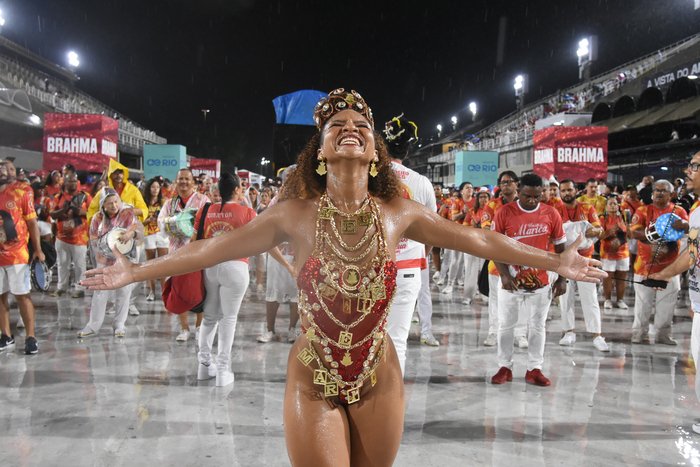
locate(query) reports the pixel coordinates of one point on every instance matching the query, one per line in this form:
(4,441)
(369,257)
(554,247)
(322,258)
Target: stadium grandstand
(649,105)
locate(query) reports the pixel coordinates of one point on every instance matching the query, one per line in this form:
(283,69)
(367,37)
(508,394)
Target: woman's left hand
(579,268)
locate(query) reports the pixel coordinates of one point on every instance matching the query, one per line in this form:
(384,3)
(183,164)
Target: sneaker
(521,342)
(569,339)
(120,332)
(133,311)
(58,293)
(6,342)
(537,378)
(86,332)
(447,290)
(600,344)
(621,305)
(111,310)
(467,301)
(607,305)
(292,336)
(266,337)
(78,294)
(415,319)
(429,339)
(206,371)
(151,297)
(30,346)
(20,323)
(490,340)
(224,377)
(183,336)
(666,340)
(436,276)
(460,283)
(504,375)
(439,281)
(696,428)
(639,339)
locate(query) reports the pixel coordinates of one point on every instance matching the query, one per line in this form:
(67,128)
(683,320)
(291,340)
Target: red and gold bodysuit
(344,295)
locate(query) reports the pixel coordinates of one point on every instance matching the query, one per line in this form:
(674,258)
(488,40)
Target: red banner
(211,167)
(87,141)
(575,152)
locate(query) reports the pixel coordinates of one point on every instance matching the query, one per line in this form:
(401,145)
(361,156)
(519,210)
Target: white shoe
(224,377)
(436,276)
(292,335)
(568,339)
(490,340)
(429,339)
(266,337)
(521,342)
(696,428)
(151,297)
(206,371)
(467,301)
(120,332)
(183,336)
(415,319)
(20,323)
(86,332)
(607,305)
(133,311)
(600,344)
(111,310)
(621,305)
(460,283)
(439,281)
(447,290)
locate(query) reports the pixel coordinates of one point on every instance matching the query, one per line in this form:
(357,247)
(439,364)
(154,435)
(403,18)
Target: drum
(662,231)
(40,275)
(111,239)
(181,224)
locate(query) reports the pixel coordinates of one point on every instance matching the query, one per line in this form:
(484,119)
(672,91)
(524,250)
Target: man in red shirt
(460,206)
(525,289)
(70,212)
(652,258)
(18,227)
(574,213)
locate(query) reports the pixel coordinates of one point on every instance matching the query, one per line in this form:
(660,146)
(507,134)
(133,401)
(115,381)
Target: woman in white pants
(155,243)
(113,214)
(226,283)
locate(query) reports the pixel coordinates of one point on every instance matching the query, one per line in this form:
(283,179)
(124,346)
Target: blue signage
(164,160)
(478,167)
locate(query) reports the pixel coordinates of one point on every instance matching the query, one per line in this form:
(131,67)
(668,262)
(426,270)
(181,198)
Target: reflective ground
(136,401)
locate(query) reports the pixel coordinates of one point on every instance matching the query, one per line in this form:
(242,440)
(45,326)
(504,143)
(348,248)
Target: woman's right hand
(111,277)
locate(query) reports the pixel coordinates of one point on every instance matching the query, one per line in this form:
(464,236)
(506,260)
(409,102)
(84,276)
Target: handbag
(187,292)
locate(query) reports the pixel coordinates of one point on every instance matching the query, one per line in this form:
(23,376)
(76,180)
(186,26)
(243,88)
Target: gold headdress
(337,101)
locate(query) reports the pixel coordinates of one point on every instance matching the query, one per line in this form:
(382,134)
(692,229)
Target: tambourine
(40,275)
(111,240)
(181,224)
(662,231)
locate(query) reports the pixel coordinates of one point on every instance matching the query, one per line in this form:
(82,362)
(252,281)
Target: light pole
(587,52)
(439,129)
(520,87)
(2,20)
(453,119)
(472,109)
(263,164)
(73,60)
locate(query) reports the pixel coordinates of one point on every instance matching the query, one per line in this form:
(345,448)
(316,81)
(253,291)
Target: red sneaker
(504,375)
(536,377)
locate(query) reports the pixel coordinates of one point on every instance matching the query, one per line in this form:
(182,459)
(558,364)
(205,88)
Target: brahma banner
(575,152)
(211,167)
(87,141)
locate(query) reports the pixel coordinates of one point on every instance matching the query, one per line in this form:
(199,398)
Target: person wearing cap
(118,180)
(113,214)
(18,227)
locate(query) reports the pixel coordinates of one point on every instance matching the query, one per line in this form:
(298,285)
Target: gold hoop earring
(321,169)
(373,170)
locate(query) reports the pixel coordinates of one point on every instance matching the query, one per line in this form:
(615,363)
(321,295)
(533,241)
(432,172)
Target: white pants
(695,344)
(494,287)
(535,307)
(408,283)
(226,284)
(456,268)
(445,263)
(472,267)
(65,255)
(645,298)
(425,303)
(588,294)
(99,304)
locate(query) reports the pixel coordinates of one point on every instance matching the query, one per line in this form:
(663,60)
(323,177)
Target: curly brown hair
(305,183)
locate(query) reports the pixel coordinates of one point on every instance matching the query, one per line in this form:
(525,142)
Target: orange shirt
(631,205)
(74,230)
(52,190)
(580,212)
(16,208)
(555,202)
(446,208)
(461,206)
(607,250)
(654,258)
(534,228)
(489,212)
(474,219)
(222,220)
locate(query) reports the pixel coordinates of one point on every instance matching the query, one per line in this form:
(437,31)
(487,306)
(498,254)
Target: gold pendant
(326,213)
(372,170)
(347,359)
(353,395)
(330,389)
(351,278)
(373,378)
(327,292)
(320,377)
(305,357)
(345,339)
(364,303)
(365,219)
(311,335)
(378,291)
(347,306)
(321,169)
(348,226)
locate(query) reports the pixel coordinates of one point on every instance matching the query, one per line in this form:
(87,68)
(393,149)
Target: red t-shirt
(535,228)
(220,221)
(580,212)
(654,258)
(75,230)
(607,250)
(17,206)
